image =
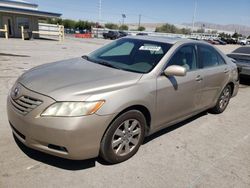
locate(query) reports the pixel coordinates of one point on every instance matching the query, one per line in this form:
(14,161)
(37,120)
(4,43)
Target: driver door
(179,96)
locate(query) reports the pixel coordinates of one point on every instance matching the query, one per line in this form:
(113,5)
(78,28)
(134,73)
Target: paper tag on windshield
(150,48)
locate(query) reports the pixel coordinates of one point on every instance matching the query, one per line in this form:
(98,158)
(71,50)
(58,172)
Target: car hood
(76,79)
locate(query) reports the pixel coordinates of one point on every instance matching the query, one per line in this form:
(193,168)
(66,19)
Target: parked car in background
(69,31)
(141,34)
(122,34)
(220,41)
(242,41)
(212,41)
(107,102)
(229,40)
(111,35)
(242,59)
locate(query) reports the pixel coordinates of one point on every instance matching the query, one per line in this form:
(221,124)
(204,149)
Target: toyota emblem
(15,93)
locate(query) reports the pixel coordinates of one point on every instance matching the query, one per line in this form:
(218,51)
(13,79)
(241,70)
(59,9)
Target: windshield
(130,54)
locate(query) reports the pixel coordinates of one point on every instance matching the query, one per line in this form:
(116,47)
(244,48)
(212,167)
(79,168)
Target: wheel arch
(144,110)
(231,84)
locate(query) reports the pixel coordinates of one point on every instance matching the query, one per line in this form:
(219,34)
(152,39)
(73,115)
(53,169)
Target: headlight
(71,109)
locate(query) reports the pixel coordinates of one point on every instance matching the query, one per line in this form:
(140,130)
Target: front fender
(142,93)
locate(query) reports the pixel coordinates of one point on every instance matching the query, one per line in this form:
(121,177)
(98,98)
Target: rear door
(215,74)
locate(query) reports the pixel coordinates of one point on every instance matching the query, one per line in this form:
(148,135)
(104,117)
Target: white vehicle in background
(242,41)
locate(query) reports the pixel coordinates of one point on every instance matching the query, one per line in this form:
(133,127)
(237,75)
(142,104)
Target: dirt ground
(204,151)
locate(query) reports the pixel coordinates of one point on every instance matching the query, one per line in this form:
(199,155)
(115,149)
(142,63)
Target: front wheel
(124,137)
(223,100)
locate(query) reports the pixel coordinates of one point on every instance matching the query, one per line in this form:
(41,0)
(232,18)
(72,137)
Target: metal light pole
(100,10)
(194,15)
(139,23)
(99,17)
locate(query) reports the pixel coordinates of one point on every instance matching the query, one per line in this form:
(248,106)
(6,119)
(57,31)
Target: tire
(123,137)
(223,100)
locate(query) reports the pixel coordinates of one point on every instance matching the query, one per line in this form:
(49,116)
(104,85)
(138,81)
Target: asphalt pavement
(205,151)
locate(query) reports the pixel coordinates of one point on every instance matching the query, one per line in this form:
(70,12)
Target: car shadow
(13,55)
(173,127)
(173,82)
(75,165)
(47,39)
(244,80)
(58,162)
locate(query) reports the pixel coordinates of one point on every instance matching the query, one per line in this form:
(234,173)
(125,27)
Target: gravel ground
(205,151)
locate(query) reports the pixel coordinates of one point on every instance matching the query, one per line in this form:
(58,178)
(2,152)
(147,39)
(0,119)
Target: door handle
(198,78)
(226,70)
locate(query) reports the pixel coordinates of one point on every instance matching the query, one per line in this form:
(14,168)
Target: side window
(209,57)
(121,50)
(185,57)
(221,60)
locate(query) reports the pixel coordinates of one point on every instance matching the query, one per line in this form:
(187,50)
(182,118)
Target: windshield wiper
(85,57)
(105,63)
(88,59)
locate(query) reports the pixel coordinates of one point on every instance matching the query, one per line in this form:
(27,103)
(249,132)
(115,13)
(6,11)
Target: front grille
(25,104)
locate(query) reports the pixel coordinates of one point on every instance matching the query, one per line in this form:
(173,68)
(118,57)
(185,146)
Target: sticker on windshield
(150,48)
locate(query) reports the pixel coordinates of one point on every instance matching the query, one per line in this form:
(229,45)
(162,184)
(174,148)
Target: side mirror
(175,70)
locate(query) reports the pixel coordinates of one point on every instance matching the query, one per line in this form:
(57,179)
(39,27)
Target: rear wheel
(124,137)
(223,100)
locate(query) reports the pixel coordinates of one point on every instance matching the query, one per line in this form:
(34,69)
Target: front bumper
(75,138)
(236,88)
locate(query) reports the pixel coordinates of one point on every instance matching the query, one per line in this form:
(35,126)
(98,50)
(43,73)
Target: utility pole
(123,17)
(139,23)
(100,10)
(99,17)
(194,15)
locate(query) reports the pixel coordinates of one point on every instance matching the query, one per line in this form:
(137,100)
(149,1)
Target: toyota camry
(105,103)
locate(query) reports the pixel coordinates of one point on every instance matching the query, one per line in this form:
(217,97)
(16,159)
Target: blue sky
(152,11)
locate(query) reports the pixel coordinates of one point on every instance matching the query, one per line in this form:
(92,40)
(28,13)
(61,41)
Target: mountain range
(242,29)
(229,28)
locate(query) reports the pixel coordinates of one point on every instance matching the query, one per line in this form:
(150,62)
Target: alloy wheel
(224,99)
(126,137)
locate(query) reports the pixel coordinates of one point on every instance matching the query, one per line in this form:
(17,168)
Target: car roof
(169,40)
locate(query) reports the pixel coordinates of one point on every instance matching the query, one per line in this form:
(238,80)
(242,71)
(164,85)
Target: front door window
(185,57)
